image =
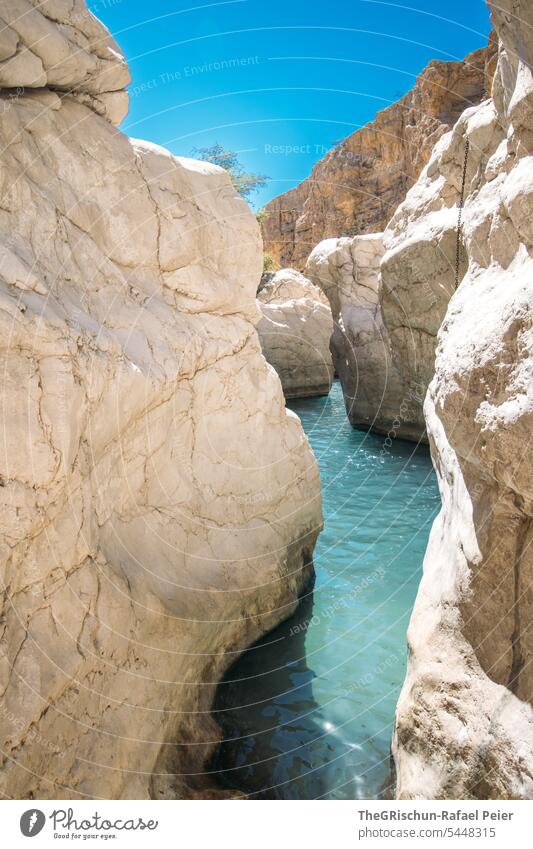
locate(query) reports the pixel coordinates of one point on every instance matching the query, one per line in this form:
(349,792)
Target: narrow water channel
(307,711)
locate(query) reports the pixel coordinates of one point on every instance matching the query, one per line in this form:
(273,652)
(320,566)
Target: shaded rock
(266,277)
(295,330)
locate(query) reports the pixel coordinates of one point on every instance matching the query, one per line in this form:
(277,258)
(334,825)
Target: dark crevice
(517,664)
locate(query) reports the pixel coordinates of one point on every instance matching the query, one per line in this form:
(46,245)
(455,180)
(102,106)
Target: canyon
(356,188)
(388,288)
(437,305)
(160,504)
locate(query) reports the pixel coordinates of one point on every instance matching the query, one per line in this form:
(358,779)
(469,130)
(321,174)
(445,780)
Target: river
(308,711)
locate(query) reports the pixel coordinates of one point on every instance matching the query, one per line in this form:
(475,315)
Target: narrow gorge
(180,616)
(308,711)
(438,306)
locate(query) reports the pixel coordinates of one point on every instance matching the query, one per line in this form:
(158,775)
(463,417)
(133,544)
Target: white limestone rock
(61,45)
(347,270)
(418,269)
(464,725)
(295,330)
(158,504)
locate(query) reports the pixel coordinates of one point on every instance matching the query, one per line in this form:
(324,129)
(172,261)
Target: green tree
(269,263)
(245,182)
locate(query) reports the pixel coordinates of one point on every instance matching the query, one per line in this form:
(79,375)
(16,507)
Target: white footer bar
(267,825)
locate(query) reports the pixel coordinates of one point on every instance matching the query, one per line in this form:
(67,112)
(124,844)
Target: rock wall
(294,330)
(357,186)
(384,348)
(464,725)
(375,395)
(418,269)
(159,506)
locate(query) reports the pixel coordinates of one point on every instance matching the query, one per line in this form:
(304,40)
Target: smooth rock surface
(375,396)
(295,331)
(418,269)
(464,726)
(159,505)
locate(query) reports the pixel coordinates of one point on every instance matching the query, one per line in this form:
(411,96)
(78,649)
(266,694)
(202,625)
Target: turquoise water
(308,710)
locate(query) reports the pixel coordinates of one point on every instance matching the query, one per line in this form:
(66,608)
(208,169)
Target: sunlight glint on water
(311,715)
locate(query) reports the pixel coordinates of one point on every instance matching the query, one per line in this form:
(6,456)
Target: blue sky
(278,81)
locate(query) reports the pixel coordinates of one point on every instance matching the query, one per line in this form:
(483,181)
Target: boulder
(60,45)
(376,399)
(295,330)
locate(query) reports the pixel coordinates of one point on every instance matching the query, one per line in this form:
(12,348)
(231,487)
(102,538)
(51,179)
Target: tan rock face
(384,349)
(295,331)
(159,506)
(418,269)
(375,395)
(356,188)
(59,44)
(465,720)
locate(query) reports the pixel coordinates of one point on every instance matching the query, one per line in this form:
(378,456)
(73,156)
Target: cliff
(464,725)
(159,506)
(357,186)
